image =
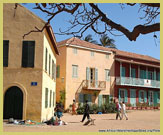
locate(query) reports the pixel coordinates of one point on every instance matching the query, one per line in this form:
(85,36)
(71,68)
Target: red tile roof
(78,42)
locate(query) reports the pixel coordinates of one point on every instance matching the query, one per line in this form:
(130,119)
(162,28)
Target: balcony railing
(137,82)
(94,85)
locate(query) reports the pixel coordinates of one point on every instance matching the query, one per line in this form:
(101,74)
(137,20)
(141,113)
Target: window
(142,96)
(46,59)
(151,97)
(28,53)
(50,98)
(143,74)
(5,52)
(107,74)
(105,99)
(133,72)
(58,71)
(122,95)
(123,73)
(158,95)
(46,97)
(49,64)
(75,51)
(92,53)
(158,76)
(74,71)
(107,56)
(150,75)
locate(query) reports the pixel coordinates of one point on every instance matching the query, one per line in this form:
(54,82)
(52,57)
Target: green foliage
(94,108)
(62,96)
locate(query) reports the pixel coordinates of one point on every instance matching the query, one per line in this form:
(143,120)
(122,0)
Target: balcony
(94,85)
(137,82)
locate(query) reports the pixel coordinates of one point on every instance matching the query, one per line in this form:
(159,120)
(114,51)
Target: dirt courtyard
(138,120)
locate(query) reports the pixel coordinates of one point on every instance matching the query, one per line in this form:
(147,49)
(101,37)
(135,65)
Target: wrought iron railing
(137,82)
(92,84)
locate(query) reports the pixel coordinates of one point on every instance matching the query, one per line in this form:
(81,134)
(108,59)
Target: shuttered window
(46,59)
(28,53)
(5,52)
(58,71)
(133,72)
(53,98)
(46,97)
(49,64)
(50,98)
(107,75)
(52,69)
(74,71)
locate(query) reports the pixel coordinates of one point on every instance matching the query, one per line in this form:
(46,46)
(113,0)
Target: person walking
(123,111)
(86,112)
(74,108)
(118,110)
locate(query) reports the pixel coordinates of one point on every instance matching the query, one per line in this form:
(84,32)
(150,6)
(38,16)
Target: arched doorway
(13,103)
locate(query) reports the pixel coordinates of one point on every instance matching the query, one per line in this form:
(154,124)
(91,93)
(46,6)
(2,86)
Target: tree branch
(132,36)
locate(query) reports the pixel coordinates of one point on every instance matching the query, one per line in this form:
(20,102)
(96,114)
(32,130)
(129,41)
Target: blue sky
(128,17)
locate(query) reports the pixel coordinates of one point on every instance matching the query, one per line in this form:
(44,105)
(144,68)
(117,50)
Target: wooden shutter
(49,64)
(123,72)
(133,72)
(155,97)
(139,96)
(46,97)
(28,53)
(145,96)
(5,52)
(96,77)
(87,73)
(50,98)
(99,100)
(58,71)
(126,96)
(46,59)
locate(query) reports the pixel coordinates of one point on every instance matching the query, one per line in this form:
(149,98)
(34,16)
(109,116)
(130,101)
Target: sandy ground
(138,120)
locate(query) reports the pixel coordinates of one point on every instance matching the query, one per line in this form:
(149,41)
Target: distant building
(29,66)
(99,74)
(137,78)
(84,72)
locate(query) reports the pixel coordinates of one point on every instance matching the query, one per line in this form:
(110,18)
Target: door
(151,98)
(133,97)
(13,103)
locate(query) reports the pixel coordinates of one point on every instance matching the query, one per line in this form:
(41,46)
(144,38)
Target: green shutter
(46,59)
(96,77)
(158,97)
(139,96)
(155,98)
(81,98)
(46,97)
(58,71)
(126,96)
(145,96)
(87,73)
(123,72)
(5,52)
(133,72)
(99,100)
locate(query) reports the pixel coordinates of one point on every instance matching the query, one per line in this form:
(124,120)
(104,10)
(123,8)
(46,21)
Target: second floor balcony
(94,85)
(137,82)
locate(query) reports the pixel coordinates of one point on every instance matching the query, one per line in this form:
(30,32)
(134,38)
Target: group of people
(121,110)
